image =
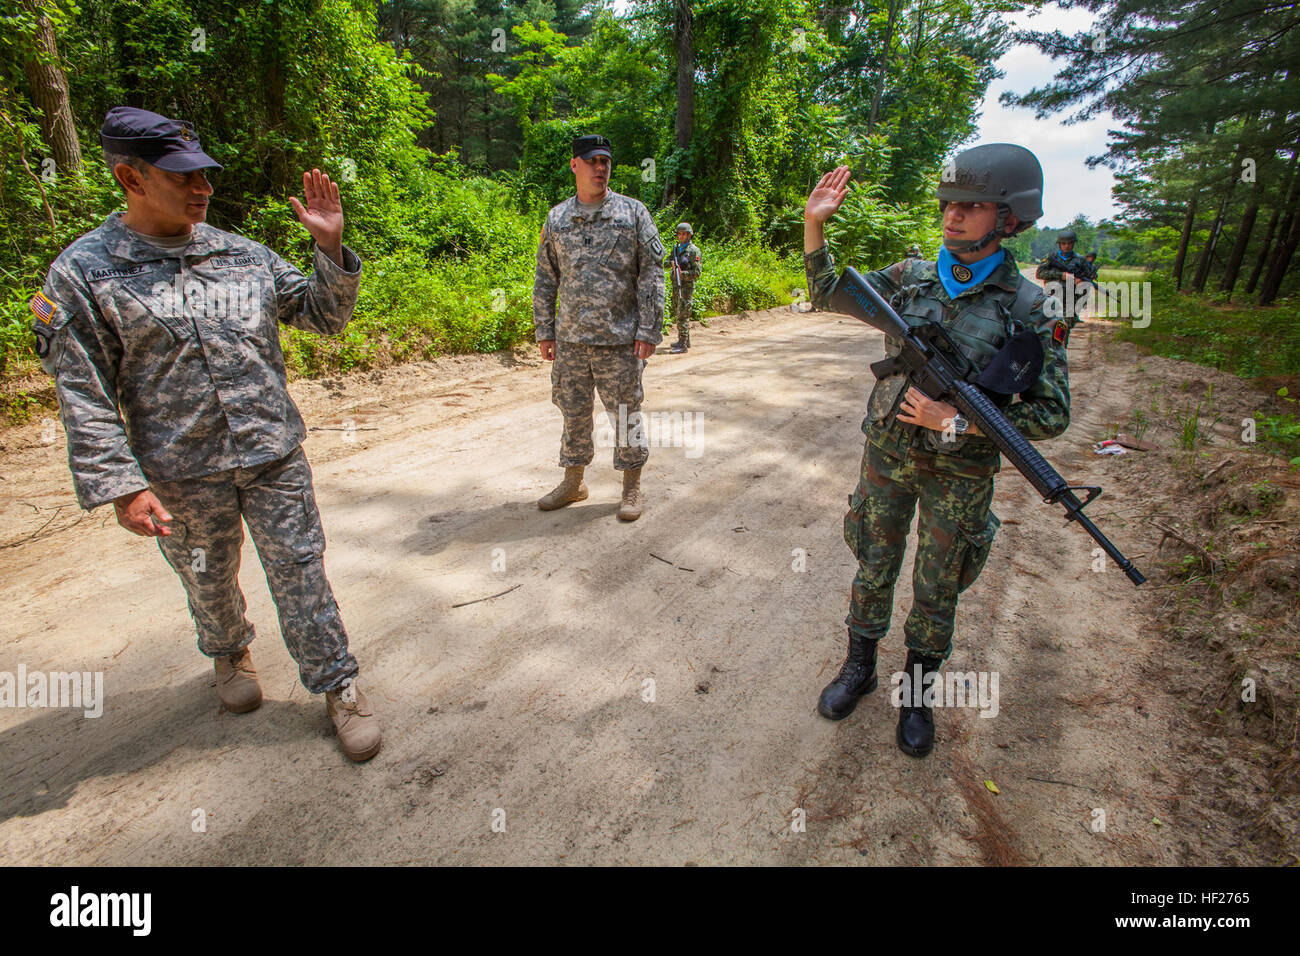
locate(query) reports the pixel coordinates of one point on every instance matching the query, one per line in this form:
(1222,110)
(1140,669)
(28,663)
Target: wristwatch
(959,424)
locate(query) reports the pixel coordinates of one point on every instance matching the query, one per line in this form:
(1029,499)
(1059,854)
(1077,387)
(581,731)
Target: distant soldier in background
(684,259)
(914,252)
(1067,267)
(1091,259)
(162,334)
(598,308)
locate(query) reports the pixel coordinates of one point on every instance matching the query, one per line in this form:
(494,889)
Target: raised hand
(828,195)
(323,214)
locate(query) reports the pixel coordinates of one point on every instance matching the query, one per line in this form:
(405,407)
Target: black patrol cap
(585,147)
(1015,367)
(169,144)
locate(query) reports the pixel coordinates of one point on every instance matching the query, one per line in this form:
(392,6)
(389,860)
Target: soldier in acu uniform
(921,452)
(685,262)
(598,307)
(162,334)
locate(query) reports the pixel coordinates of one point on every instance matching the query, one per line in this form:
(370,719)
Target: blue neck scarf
(975,273)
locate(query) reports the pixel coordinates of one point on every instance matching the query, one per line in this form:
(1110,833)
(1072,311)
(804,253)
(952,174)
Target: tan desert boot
(630,509)
(356,723)
(569,490)
(237,684)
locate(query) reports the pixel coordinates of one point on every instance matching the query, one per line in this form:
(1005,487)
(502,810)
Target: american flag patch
(42,307)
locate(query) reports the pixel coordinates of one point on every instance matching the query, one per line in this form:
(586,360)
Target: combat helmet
(1004,173)
(914,250)
(1067,235)
(685,227)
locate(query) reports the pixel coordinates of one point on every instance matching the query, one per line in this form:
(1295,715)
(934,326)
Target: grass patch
(1249,341)
(743,279)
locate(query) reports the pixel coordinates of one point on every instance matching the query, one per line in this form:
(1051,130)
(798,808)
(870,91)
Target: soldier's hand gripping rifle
(932,362)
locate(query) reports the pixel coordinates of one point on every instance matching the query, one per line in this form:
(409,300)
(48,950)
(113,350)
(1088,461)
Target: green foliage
(1247,341)
(448,123)
(737,278)
(409,311)
(868,232)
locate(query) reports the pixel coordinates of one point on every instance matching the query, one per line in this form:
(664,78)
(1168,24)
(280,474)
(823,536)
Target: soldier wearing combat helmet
(921,452)
(684,260)
(1066,266)
(162,334)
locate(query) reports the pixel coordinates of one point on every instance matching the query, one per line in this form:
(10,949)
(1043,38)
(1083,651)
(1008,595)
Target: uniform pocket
(977,543)
(311,539)
(621,250)
(853,523)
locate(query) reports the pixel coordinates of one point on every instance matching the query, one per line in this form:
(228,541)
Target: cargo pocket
(853,523)
(977,543)
(310,542)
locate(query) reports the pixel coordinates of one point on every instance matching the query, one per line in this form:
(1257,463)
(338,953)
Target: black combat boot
(856,678)
(916,724)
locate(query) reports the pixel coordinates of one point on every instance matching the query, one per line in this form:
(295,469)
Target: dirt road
(530,708)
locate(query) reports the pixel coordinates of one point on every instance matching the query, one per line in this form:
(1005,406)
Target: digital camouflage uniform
(598,287)
(689,268)
(169,375)
(904,466)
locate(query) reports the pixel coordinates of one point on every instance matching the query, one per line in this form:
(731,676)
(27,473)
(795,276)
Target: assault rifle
(1086,275)
(932,362)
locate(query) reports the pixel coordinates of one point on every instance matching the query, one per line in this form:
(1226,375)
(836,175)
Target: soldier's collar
(1007,275)
(124,244)
(602,211)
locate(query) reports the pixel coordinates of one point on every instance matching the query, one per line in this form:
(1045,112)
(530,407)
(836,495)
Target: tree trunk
(1239,248)
(1188,221)
(895,7)
(50,93)
(1281,259)
(1263,253)
(684,126)
(1288,235)
(1207,252)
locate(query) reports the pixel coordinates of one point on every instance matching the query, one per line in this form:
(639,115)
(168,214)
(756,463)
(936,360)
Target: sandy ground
(530,708)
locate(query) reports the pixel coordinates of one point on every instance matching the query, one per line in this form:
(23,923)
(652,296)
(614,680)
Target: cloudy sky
(1070,187)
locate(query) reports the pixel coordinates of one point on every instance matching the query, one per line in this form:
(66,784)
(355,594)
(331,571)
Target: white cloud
(1069,186)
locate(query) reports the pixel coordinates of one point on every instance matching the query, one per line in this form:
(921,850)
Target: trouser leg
(954,534)
(685,305)
(617,372)
(203,550)
(279,504)
(876,526)
(572,389)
